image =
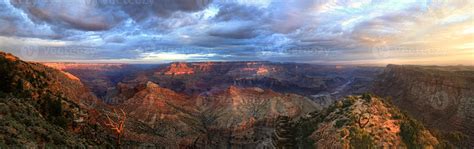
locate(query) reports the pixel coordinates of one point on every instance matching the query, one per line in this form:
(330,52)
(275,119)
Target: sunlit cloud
(168,56)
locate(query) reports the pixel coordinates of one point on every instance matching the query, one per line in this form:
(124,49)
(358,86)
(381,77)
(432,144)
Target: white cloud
(172,56)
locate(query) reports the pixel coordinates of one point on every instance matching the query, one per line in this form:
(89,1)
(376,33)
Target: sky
(439,32)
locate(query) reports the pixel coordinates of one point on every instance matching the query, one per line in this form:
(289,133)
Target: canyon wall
(441,97)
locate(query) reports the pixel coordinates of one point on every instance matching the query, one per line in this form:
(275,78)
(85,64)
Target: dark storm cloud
(100,15)
(235,32)
(239,22)
(161,8)
(14,24)
(166,25)
(78,15)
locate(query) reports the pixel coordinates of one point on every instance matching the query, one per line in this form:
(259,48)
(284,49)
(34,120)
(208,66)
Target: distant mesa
(179,69)
(238,68)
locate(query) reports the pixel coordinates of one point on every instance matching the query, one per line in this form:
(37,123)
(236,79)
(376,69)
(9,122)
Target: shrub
(367,97)
(396,116)
(56,108)
(60,121)
(361,139)
(348,102)
(341,122)
(306,127)
(2,94)
(303,139)
(410,132)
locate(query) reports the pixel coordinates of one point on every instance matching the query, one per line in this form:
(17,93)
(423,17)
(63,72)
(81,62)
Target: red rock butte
(179,69)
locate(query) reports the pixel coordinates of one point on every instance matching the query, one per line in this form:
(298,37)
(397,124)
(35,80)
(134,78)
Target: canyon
(440,97)
(254,104)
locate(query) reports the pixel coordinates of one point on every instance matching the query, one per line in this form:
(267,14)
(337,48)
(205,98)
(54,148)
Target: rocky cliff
(440,97)
(42,106)
(179,69)
(238,117)
(356,122)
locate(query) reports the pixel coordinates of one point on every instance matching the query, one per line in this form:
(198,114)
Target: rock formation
(440,97)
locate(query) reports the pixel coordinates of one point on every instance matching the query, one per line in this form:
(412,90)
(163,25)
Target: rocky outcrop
(32,80)
(179,69)
(249,113)
(40,105)
(441,97)
(257,103)
(284,136)
(361,122)
(234,116)
(153,104)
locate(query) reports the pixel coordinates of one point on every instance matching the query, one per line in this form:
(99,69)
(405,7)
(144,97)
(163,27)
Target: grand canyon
(237,74)
(254,104)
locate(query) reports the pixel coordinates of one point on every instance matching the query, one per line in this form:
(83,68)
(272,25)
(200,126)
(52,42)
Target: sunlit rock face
(179,69)
(89,66)
(362,122)
(237,68)
(250,112)
(152,103)
(254,69)
(258,103)
(43,102)
(442,97)
(99,77)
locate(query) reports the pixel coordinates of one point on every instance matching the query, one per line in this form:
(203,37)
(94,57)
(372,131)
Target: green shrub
(56,108)
(60,121)
(348,102)
(367,97)
(410,132)
(361,139)
(341,122)
(396,115)
(305,128)
(303,139)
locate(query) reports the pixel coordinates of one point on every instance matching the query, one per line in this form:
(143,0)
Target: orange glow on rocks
(179,69)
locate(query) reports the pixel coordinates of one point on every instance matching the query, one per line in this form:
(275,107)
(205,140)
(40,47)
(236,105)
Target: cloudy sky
(310,31)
